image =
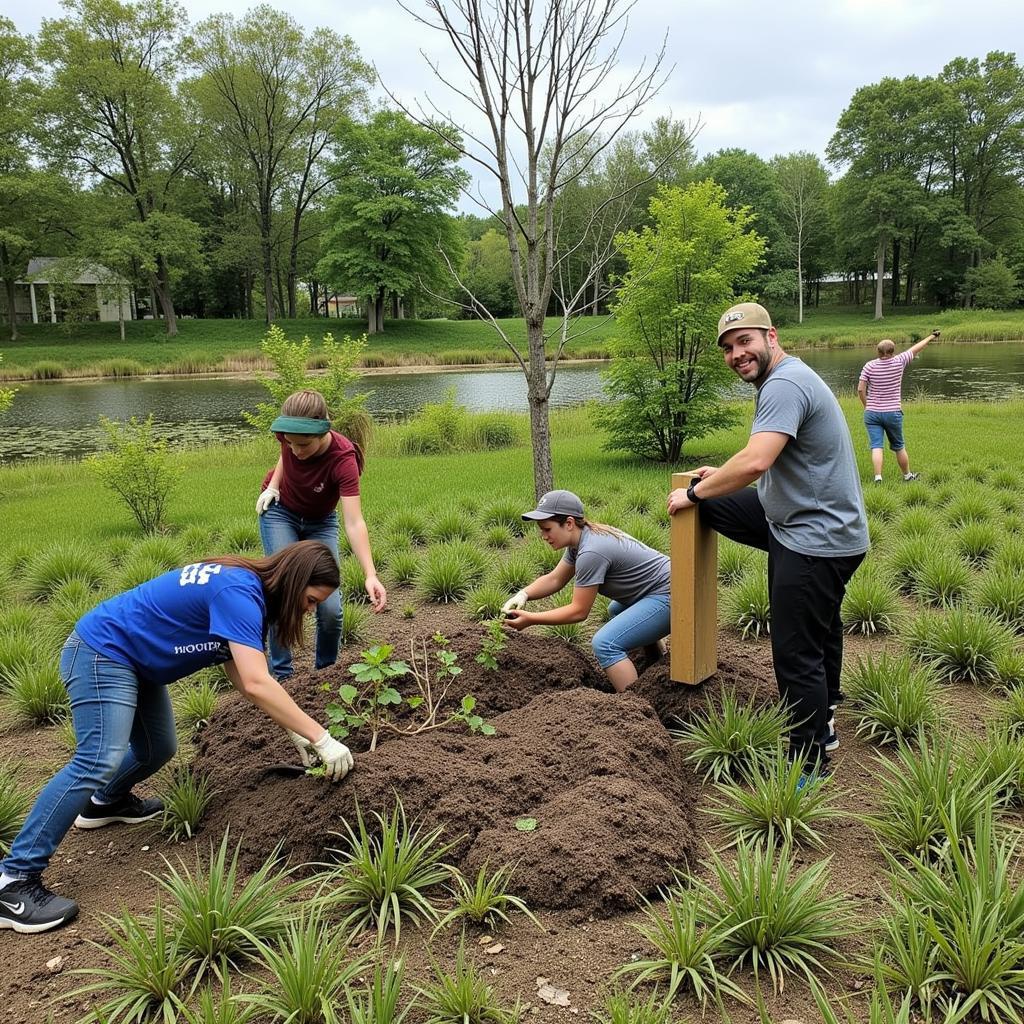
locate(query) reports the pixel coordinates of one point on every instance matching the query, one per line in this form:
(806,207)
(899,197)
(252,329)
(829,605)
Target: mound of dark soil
(613,799)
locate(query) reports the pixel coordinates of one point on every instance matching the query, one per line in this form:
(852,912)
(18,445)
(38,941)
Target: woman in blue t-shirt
(116,665)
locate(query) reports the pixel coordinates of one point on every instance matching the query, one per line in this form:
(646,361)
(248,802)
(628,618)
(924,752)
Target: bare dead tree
(542,78)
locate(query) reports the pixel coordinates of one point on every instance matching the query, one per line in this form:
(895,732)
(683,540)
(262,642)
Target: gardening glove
(336,757)
(266,499)
(515,603)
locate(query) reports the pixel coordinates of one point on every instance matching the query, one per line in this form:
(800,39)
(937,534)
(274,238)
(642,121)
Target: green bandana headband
(299,425)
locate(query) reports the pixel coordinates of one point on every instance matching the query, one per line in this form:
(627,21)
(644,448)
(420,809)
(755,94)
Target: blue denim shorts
(882,425)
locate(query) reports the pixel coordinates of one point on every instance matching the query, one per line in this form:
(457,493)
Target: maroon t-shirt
(312,487)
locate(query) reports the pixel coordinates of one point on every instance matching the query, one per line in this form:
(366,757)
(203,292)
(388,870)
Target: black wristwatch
(691,495)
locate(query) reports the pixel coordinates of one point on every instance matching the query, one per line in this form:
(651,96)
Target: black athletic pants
(806,594)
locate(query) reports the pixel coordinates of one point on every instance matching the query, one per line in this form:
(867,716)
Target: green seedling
(369,703)
(491,646)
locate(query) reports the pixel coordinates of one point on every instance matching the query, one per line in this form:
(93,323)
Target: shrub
(894,698)
(726,739)
(186,797)
(15,801)
(1000,593)
(773,803)
(58,565)
(773,917)
(871,604)
(486,900)
(942,579)
(383,879)
(138,469)
(747,606)
(960,644)
(37,693)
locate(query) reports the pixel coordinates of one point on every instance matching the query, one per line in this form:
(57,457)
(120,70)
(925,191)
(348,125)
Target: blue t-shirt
(180,622)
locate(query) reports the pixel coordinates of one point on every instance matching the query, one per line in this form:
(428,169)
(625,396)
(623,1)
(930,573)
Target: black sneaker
(28,907)
(129,809)
(831,736)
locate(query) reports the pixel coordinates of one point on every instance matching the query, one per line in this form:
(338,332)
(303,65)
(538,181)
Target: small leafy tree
(993,285)
(137,467)
(291,359)
(667,376)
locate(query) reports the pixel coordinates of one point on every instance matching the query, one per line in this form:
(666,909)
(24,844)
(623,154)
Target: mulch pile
(614,801)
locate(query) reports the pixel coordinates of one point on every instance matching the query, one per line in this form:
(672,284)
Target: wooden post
(694,552)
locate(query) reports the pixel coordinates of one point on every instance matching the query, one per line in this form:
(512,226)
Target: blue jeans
(279,527)
(881,425)
(636,625)
(125,732)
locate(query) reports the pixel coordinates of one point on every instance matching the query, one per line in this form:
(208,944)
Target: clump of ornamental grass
(379,1001)
(310,967)
(952,936)
(145,973)
(977,542)
(1007,480)
(353,581)
(774,803)
(16,557)
(1011,555)
(574,633)
(218,1005)
(460,995)
(916,495)
(893,697)
(450,524)
(997,759)
(942,579)
(486,900)
(36,693)
(498,537)
(51,568)
(871,604)
(688,953)
(16,649)
(186,796)
(970,506)
(960,644)
(545,558)
(772,917)
(66,737)
(241,537)
(411,523)
(384,877)
(194,702)
(221,918)
(355,622)
(734,561)
(625,1008)
(136,568)
(928,798)
(882,503)
(746,607)
(390,543)
(168,551)
(506,512)
(447,572)
(647,532)
(67,605)
(639,501)
(403,567)
(197,540)
(1000,594)
(1011,712)
(483,603)
(15,801)
(724,740)
(514,572)
(915,522)
(905,558)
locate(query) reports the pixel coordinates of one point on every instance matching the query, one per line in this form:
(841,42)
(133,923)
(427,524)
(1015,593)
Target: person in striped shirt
(879,391)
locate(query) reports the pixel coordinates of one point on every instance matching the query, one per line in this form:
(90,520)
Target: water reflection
(61,419)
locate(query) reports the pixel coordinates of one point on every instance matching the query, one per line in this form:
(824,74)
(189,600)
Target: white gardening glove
(335,757)
(515,603)
(266,499)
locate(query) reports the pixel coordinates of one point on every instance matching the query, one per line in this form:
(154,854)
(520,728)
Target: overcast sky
(772,78)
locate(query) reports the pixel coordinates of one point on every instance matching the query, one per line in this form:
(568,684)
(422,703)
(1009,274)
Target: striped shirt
(884,378)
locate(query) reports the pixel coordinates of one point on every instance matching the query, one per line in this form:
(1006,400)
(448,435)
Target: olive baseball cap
(556,503)
(744,314)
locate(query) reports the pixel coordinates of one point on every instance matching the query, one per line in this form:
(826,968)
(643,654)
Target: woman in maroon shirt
(318,467)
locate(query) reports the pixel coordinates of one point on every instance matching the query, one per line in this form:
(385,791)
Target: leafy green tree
(667,376)
(993,285)
(389,230)
(113,110)
(273,95)
(487,272)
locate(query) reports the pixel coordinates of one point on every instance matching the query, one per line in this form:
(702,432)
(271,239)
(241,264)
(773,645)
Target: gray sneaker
(130,809)
(911,476)
(27,906)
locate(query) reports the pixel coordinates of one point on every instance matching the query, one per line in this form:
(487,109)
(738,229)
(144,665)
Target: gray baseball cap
(556,503)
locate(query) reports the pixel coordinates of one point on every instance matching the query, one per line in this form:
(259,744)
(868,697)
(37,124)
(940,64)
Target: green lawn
(94,349)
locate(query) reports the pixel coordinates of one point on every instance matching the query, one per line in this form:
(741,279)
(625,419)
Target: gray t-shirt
(620,567)
(811,495)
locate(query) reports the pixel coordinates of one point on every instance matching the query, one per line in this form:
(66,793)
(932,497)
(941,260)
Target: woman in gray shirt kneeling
(605,561)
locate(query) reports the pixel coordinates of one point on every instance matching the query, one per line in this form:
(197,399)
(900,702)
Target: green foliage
(993,284)
(15,801)
(186,796)
(383,880)
(37,694)
(977,541)
(57,565)
(1000,593)
(486,900)
(353,581)
(355,621)
(905,558)
(403,567)
(492,644)
(371,701)
(747,606)
(410,522)
(194,702)
(667,374)
(449,524)
(498,536)
(623,1008)
(871,604)
(893,696)
(444,427)
(574,633)
(942,579)
(339,379)
(734,561)
(447,572)
(218,1006)
(378,1002)
(960,644)
(727,739)
(515,572)
(138,468)
(484,603)
(461,996)
(507,512)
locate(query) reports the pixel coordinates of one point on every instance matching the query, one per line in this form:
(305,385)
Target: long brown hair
(312,405)
(284,576)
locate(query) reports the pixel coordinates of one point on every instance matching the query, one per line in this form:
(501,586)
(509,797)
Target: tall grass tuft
(448,571)
(403,567)
(871,604)
(1000,593)
(194,702)
(747,607)
(37,694)
(514,572)
(186,797)
(882,503)
(734,561)
(378,1002)
(893,696)
(970,506)
(977,542)
(410,522)
(460,995)
(15,801)
(449,524)
(485,602)
(487,899)
(942,579)
(353,581)
(55,566)
(960,644)
(355,622)
(908,554)
(506,512)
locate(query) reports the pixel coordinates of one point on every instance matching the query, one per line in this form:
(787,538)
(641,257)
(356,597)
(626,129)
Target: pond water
(60,419)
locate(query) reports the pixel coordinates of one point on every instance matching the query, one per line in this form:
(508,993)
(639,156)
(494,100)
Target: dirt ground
(615,803)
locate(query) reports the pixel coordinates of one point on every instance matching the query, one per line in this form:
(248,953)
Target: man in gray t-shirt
(807,512)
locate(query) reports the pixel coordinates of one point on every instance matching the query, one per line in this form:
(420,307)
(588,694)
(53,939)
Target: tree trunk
(414,308)
(394,306)
(267,259)
(537,395)
(879,275)
(161,286)
(120,312)
(894,291)
(856,287)
(12,313)
(800,286)
(371,315)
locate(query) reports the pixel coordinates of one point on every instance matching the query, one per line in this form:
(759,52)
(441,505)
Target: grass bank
(203,346)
